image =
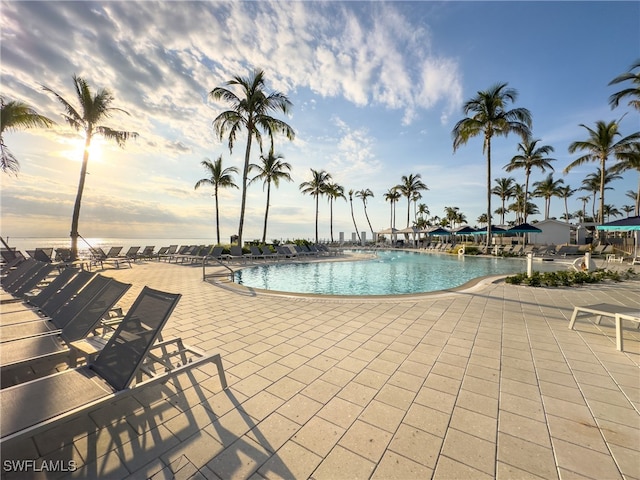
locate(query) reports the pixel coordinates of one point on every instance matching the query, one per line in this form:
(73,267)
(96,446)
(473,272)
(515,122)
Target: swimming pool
(390,273)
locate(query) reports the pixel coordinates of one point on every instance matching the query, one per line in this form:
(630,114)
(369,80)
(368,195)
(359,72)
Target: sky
(376,88)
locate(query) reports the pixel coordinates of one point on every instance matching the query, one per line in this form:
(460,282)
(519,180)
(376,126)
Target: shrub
(567,278)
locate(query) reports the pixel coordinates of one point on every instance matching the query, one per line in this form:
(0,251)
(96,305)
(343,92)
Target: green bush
(566,278)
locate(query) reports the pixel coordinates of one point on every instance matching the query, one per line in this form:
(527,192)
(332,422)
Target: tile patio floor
(488,383)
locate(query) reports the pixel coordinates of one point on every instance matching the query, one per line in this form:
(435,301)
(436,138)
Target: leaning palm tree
(489,118)
(504,190)
(250,111)
(363,195)
(631,161)
(271,170)
(600,145)
(530,156)
(93,110)
(218,178)
(15,115)
(546,189)
(392,196)
(564,193)
(353,216)
(333,191)
(633,91)
(316,187)
(409,185)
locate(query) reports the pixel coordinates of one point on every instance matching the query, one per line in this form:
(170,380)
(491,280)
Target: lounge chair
(256,252)
(147,253)
(44,294)
(50,306)
(14,275)
(75,319)
(30,283)
(132,253)
(169,253)
(26,410)
(235,253)
(11,261)
(267,253)
(617,312)
(98,256)
(216,253)
(285,252)
(23,357)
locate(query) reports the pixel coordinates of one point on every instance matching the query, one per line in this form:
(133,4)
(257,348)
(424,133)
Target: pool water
(391,272)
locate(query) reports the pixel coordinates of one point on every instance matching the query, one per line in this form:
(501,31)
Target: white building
(554,232)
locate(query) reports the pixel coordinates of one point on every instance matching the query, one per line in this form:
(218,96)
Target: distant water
(31,243)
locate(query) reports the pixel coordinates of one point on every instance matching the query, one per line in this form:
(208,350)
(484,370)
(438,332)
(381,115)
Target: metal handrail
(204,264)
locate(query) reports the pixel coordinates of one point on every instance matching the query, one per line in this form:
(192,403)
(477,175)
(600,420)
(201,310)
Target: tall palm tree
(628,209)
(363,195)
(633,91)
(631,161)
(564,193)
(530,156)
(415,197)
(93,110)
(409,184)
(591,183)
(487,115)
(333,191)
(584,201)
(316,187)
(504,190)
(15,115)
(610,210)
(451,213)
(271,170)
(250,110)
(546,189)
(635,196)
(218,178)
(600,145)
(353,216)
(423,210)
(392,196)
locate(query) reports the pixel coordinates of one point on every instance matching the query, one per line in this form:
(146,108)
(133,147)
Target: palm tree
(584,201)
(628,209)
(392,196)
(333,191)
(564,193)
(635,196)
(218,178)
(451,213)
(490,118)
(531,156)
(316,187)
(546,189)
(93,110)
(363,195)
(353,216)
(631,161)
(415,197)
(271,170)
(504,190)
(423,210)
(611,210)
(591,183)
(482,219)
(409,185)
(16,115)
(600,144)
(633,92)
(250,111)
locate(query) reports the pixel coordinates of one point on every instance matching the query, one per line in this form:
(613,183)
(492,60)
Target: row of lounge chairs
(71,315)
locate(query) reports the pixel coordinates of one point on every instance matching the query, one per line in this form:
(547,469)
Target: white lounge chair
(617,312)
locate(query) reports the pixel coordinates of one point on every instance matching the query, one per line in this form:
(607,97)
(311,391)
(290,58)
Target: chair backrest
(266,250)
(23,275)
(114,252)
(216,252)
(90,315)
(255,250)
(55,302)
(132,251)
(163,250)
(43,254)
(148,250)
(124,353)
(98,253)
(36,278)
(172,249)
(63,254)
(20,270)
(56,284)
(236,251)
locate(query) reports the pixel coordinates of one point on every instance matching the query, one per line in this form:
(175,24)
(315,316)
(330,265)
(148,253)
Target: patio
(485,383)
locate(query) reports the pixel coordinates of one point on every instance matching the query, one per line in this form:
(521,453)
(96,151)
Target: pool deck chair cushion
(36,405)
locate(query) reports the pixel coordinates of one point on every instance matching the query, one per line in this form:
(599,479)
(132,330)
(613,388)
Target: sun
(75,150)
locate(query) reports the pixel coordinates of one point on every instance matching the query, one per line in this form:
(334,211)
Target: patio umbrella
(494,230)
(524,228)
(629,224)
(388,231)
(465,230)
(437,231)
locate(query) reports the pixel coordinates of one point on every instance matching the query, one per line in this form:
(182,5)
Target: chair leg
(574,316)
(619,340)
(223,378)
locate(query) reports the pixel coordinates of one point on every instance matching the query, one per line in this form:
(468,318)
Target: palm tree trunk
(266,213)
(638,198)
(215,194)
(526,195)
(75,219)
(353,217)
(408,208)
(367,217)
(245,174)
(317,209)
(602,174)
(331,217)
(488,142)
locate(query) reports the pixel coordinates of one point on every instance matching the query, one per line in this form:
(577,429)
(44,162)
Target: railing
(205,261)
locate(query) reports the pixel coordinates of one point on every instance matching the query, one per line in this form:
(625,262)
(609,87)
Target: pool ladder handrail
(205,260)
